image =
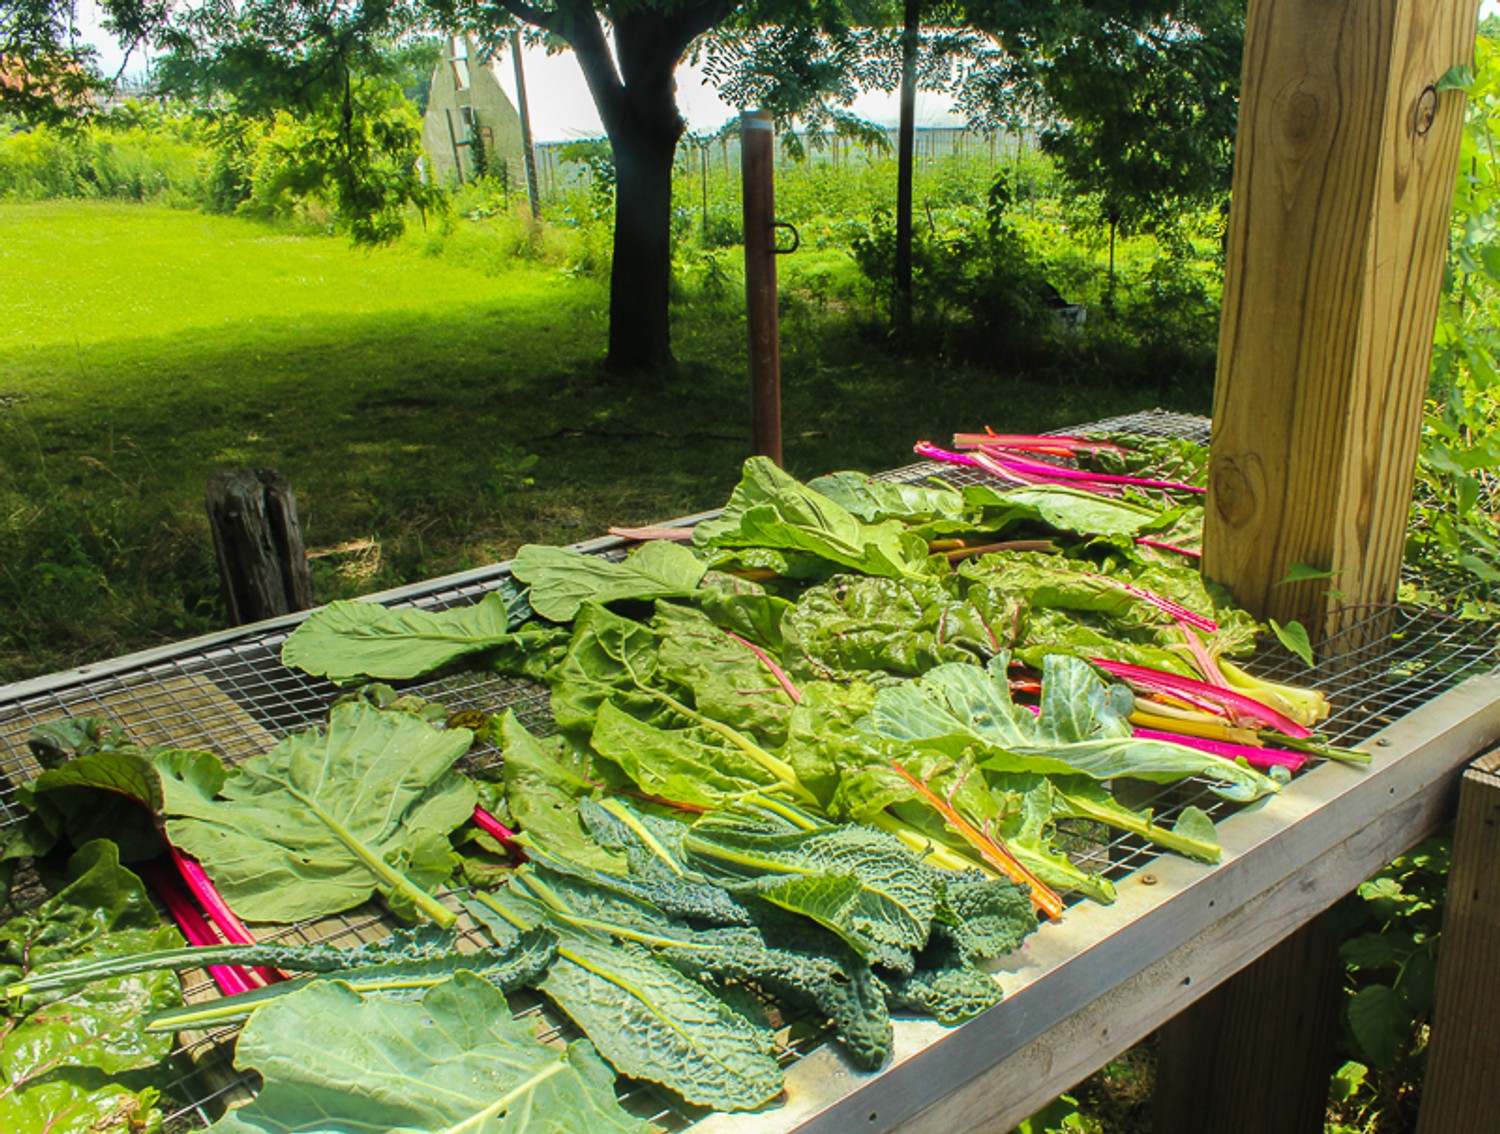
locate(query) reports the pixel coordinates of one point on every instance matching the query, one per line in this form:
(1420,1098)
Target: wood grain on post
(758,175)
(258,544)
(1344,170)
(1458,1088)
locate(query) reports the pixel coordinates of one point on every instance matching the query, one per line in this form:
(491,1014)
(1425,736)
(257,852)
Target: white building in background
(471,126)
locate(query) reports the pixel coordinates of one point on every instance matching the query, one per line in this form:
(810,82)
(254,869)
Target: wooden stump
(258,543)
(1458,1093)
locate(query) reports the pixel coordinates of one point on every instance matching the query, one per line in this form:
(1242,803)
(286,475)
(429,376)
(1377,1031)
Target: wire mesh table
(230,694)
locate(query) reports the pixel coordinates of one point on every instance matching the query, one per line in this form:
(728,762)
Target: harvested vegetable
(61,1055)
(330,817)
(457,1060)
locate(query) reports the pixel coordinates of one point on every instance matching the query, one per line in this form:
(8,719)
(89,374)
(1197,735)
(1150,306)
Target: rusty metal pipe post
(758,177)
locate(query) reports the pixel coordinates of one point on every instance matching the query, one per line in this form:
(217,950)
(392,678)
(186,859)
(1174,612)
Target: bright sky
(561,107)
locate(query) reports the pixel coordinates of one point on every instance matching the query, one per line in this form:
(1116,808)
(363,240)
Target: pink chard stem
(776,671)
(500,833)
(202,887)
(231,979)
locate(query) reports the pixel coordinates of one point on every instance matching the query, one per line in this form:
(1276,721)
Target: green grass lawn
(143,348)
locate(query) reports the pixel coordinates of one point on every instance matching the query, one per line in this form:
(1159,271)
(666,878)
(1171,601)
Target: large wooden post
(1343,179)
(1344,169)
(1458,1089)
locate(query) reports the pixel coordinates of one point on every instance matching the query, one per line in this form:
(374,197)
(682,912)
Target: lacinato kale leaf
(646,1018)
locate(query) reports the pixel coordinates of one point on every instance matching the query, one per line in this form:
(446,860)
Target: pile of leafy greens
(786,766)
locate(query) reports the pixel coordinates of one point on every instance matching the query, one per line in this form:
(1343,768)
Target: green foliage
(136,153)
(292,833)
(1390,937)
(102,911)
(458,1059)
(1453,540)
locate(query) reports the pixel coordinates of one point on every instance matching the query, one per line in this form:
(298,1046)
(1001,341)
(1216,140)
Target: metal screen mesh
(235,698)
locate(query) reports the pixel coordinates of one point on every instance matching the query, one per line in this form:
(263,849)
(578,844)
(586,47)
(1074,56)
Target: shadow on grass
(415,435)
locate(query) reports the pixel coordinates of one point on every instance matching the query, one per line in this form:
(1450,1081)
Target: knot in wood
(1299,115)
(1427,108)
(1232,491)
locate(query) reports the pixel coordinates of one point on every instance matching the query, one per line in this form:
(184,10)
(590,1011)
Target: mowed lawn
(429,415)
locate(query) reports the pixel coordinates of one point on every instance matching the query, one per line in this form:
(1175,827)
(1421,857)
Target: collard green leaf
(345,641)
(335,1061)
(647,1019)
(329,817)
(771,509)
(58,1053)
(563,580)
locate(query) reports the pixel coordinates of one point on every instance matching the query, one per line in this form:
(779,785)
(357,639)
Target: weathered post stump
(258,543)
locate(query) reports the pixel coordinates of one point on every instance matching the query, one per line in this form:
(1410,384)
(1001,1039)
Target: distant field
(143,348)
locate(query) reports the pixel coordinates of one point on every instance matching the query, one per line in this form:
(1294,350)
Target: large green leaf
(857,882)
(563,580)
(874,500)
(57,1053)
(853,628)
(1081,729)
(544,780)
(647,1019)
(771,509)
(336,1062)
(329,817)
(345,641)
(785,956)
(98,784)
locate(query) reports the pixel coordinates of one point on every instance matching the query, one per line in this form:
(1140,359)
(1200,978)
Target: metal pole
(757,173)
(527,150)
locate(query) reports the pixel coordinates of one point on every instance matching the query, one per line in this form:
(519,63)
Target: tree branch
(529,13)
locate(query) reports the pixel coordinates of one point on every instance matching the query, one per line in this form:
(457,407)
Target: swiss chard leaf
(100,785)
(544,780)
(873,500)
(870,629)
(329,817)
(333,1060)
(563,580)
(771,509)
(1081,729)
(57,1053)
(345,641)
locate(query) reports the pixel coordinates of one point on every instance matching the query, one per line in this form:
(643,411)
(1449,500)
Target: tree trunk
(640,336)
(905,162)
